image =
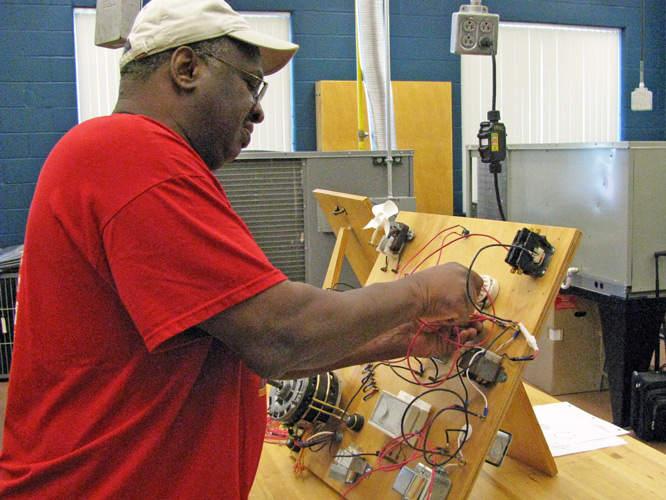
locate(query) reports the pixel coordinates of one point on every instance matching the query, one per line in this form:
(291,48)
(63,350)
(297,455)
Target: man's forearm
(390,345)
(294,326)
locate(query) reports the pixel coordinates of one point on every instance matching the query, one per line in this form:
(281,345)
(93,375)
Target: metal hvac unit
(268,195)
(612,192)
(272,192)
(8,282)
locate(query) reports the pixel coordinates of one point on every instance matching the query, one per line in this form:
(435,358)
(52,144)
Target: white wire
(505,344)
(474,385)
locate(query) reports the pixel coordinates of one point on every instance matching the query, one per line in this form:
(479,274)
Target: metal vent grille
(7,314)
(487,200)
(269,198)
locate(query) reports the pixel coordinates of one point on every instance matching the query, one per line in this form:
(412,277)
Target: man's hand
(444,292)
(434,340)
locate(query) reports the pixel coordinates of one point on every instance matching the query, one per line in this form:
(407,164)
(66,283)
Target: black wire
(334,286)
(492,53)
(311,444)
(355,455)
(462,407)
(424,451)
(642,27)
(405,379)
(498,197)
(436,365)
(344,412)
(494,108)
(422,369)
(469,273)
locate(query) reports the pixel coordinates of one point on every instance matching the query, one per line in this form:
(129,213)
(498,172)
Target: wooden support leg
(528,444)
(335,266)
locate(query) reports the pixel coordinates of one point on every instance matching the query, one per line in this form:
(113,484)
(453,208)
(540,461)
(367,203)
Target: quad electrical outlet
(474,31)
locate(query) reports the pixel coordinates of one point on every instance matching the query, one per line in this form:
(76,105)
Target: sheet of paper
(569,429)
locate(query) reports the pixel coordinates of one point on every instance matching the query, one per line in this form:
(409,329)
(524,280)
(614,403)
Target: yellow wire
(359,90)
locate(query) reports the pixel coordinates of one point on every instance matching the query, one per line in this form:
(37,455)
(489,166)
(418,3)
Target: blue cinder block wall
(38,89)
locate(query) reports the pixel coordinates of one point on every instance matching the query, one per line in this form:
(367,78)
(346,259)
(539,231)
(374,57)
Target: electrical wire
(429,425)
(334,286)
(493,52)
(474,385)
(419,442)
(498,197)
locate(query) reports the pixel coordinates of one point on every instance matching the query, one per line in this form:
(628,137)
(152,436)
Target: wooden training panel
(349,211)
(521,298)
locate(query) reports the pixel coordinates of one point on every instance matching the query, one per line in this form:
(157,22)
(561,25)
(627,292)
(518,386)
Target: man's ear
(185,68)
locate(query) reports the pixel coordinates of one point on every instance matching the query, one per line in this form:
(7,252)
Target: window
(555,84)
(97,79)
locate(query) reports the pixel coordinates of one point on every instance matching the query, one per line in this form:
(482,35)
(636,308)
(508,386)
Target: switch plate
(389,410)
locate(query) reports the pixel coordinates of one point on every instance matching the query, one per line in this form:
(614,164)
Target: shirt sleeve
(179,254)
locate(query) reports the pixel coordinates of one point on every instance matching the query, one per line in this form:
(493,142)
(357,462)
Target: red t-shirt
(130,242)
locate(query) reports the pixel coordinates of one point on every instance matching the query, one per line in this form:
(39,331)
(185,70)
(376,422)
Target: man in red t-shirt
(146,311)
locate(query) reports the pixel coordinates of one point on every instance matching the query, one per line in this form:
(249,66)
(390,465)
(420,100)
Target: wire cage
(8,283)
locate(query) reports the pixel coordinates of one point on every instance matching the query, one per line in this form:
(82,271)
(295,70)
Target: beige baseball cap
(166,24)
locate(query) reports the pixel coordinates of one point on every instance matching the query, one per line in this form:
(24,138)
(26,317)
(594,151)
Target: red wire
(409,364)
(275,433)
(444,246)
(390,446)
(426,245)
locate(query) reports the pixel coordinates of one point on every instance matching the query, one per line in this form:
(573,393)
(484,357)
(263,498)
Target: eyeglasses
(258,85)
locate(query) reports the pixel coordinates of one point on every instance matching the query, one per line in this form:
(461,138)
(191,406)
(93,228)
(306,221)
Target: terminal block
(530,253)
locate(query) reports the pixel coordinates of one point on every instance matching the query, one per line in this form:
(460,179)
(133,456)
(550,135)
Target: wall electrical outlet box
(641,99)
(471,30)
(389,410)
(114,19)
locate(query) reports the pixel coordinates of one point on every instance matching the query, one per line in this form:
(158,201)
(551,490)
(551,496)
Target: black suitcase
(648,405)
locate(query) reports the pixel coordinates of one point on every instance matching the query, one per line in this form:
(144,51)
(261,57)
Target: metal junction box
(615,193)
(272,192)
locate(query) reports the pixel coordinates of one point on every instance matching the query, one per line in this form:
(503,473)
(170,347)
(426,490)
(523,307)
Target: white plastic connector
(490,288)
(529,338)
